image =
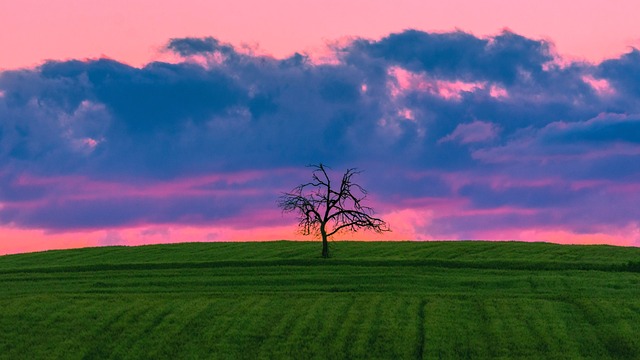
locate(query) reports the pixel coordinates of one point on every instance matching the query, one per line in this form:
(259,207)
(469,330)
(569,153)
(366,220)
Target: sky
(125,123)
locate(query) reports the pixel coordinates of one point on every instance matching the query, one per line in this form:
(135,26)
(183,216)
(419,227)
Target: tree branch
(319,205)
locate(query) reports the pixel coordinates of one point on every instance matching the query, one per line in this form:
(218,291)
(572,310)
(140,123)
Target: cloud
(582,144)
(624,71)
(212,138)
(506,58)
(477,131)
(193,46)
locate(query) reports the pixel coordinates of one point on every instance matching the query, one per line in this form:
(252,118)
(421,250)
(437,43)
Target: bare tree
(324,209)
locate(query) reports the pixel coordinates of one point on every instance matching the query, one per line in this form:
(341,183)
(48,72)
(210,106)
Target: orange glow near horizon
(404,223)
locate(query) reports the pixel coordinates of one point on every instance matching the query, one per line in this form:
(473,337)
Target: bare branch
(324,210)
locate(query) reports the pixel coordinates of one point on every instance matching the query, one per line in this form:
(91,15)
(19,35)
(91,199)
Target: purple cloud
(100,144)
(477,131)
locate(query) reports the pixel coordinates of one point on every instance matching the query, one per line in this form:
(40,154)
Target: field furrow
(279,300)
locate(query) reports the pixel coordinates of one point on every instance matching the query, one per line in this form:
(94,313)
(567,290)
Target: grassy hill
(405,300)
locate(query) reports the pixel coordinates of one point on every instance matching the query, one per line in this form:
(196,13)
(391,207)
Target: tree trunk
(325,243)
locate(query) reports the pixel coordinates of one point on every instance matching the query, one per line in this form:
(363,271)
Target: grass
(405,300)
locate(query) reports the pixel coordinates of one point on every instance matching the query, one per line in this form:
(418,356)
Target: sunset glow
(123,123)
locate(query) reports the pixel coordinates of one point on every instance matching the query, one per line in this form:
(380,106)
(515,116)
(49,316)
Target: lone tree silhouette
(324,209)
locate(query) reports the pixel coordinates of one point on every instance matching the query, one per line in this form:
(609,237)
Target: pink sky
(137,32)
(134,31)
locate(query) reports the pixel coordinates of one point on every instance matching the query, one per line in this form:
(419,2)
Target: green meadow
(370,300)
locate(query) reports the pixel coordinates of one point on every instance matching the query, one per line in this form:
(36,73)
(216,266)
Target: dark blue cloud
(609,129)
(522,196)
(160,95)
(506,58)
(194,46)
(623,72)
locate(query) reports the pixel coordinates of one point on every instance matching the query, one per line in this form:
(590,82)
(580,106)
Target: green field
(374,300)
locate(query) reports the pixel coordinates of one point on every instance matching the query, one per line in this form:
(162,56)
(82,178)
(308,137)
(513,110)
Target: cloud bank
(460,137)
